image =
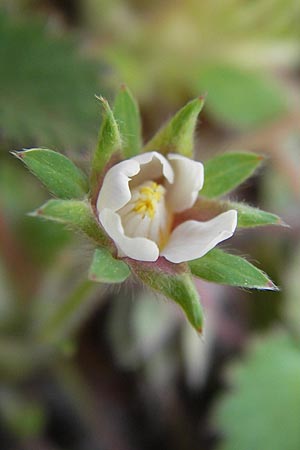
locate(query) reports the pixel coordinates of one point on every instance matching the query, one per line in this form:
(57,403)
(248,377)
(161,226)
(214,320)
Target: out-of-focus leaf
(262,409)
(75,214)
(220,267)
(225,172)
(58,173)
(177,285)
(109,142)
(127,115)
(23,417)
(106,269)
(177,135)
(238,97)
(47,88)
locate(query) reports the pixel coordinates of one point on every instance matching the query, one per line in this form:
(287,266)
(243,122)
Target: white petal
(153,165)
(138,248)
(188,180)
(135,225)
(115,191)
(192,239)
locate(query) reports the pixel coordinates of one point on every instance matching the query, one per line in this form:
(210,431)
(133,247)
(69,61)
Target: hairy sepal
(177,135)
(173,281)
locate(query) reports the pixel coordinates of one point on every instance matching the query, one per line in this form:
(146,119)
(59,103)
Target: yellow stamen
(149,197)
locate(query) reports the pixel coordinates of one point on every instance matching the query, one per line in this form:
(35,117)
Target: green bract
(59,175)
(177,136)
(221,267)
(120,138)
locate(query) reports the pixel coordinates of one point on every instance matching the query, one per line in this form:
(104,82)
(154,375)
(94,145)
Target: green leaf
(106,269)
(248,216)
(262,409)
(127,115)
(220,267)
(176,285)
(75,214)
(240,98)
(177,135)
(109,142)
(225,172)
(49,97)
(56,172)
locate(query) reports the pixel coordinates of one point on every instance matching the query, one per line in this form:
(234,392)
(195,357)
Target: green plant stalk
(59,324)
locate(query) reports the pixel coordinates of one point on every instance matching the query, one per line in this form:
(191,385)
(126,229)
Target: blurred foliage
(24,416)
(292,287)
(226,48)
(47,87)
(137,377)
(240,98)
(262,409)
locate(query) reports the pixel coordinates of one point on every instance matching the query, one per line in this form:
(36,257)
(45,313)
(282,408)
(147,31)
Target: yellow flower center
(148,199)
(146,214)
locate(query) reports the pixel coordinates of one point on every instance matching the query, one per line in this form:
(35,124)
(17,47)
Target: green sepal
(60,175)
(109,142)
(174,284)
(220,267)
(225,172)
(128,117)
(177,135)
(76,214)
(249,217)
(106,269)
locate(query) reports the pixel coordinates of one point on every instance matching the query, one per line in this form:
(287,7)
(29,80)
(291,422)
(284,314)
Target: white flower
(139,200)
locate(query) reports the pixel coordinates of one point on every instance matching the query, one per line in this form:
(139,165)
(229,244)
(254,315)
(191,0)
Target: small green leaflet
(106,269)
(109,142)
(225,172)
(220,267)
(76,214)
(127,115)
(56,172)
(177,135)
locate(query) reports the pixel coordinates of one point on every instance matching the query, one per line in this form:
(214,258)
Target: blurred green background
(126,371)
